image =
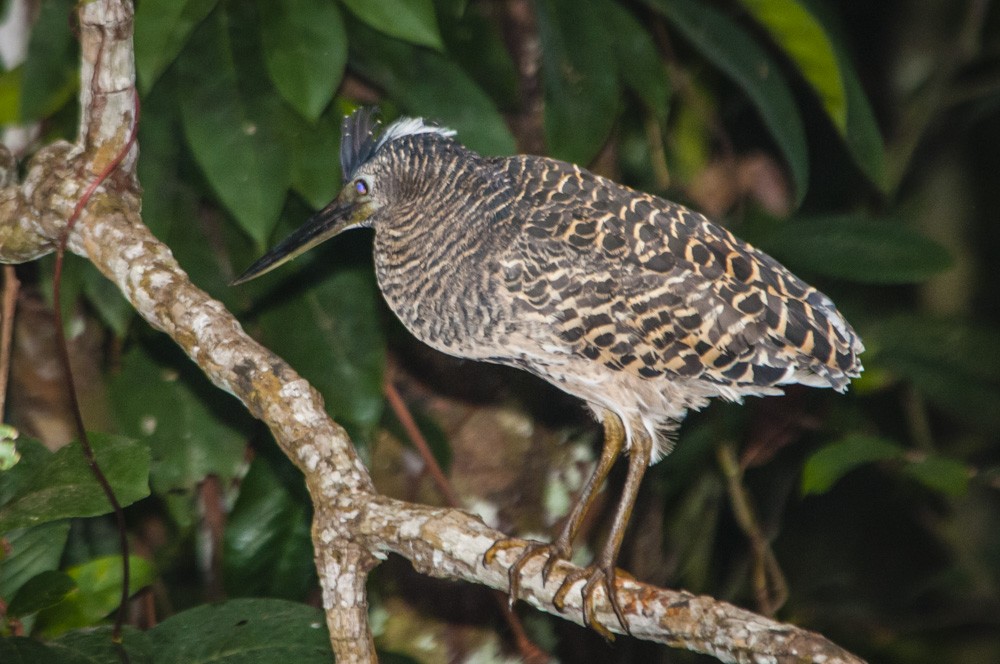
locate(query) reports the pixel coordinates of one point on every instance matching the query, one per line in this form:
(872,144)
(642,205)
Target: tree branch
(353,525)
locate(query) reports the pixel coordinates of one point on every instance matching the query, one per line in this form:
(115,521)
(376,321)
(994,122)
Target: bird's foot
(597,576)
(553,553)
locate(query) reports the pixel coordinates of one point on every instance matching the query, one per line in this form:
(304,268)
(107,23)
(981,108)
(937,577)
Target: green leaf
(826,466)
(97,646)
(31,552)
(40,592)
(428,84)
(581,90)
(107,300)
(231,118)
(410,20)
(162,27)
(305,48)
(940,474)
(14,479)
(474,41)
(314,149)
(863,138)
(330,334)
(735,52)
(97,593)
(192,428)
(267,547)
(51,70)
(946,362)
(805,41)
(639,63)
(243,631)
(862,135)
(23,650)
(10,96)
(873,251)
(160,162)
(63,486)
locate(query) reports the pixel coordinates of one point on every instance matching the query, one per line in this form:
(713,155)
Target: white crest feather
(409,127)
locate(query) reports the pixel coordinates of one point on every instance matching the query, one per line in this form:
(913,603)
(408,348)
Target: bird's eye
(361,187)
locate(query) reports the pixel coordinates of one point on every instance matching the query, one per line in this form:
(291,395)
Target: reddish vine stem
(10,289)
(531,653)
(417,438)
(63,346)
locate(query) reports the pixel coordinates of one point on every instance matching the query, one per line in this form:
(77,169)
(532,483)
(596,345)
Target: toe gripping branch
(602,573)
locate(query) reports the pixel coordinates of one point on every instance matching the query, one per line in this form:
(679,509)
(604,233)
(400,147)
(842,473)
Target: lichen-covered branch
(353,525)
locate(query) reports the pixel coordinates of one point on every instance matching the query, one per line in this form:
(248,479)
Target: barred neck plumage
(434,248)
(433,176)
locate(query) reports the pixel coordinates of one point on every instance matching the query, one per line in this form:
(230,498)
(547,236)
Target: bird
(640,307)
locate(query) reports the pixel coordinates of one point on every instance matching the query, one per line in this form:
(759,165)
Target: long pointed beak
(331,220)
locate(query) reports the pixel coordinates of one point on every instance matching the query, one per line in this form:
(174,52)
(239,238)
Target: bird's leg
(602,572)
(562,547)
(614,440)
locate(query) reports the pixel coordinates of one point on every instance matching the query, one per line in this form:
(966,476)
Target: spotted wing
(644,285)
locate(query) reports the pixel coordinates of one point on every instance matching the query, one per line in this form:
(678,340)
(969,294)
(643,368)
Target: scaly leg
(602,572)
(562,548)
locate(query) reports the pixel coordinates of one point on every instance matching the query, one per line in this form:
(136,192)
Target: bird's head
(374,180)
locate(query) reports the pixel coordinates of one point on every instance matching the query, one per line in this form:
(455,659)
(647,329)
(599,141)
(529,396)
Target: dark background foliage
(856,142)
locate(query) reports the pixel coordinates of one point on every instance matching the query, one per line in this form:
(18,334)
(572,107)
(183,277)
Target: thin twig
(417,438)
(769,584)
(11,286)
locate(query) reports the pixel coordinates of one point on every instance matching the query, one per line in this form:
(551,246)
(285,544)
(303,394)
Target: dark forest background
(857,142)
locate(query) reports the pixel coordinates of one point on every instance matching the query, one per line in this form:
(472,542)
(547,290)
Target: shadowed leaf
(826,466)
(735,52)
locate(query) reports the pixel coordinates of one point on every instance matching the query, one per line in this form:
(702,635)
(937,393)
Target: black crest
(357,140)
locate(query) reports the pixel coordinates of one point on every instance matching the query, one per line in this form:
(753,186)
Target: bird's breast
(444,298)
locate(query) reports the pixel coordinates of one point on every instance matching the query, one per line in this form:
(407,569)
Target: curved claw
(532,549)
(596,577)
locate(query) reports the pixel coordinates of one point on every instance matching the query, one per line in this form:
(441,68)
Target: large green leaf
(244,631)
(30,552)
(860,249)
(474,40)
(805,41)
(431,85)
(833,461)
(162,27)
(63,486)
(330,334)
(51,70)
(581,89)
(193,429)
(314,151)
(267,548)
(410,20)
(305,47)
(736,53)
(231,118)
(40,592)
(24,650)
(639,64)
(863,138)
(940,474)
(97,593)
(97,645)
(861,133)
(166,198)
